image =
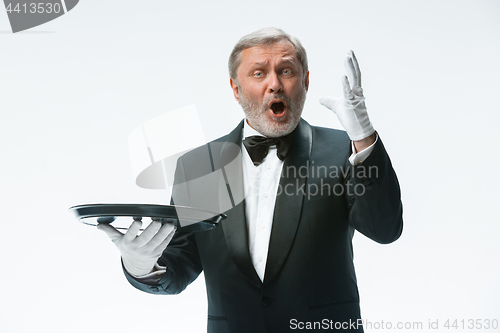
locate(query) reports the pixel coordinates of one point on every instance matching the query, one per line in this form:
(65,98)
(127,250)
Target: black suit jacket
(309,274)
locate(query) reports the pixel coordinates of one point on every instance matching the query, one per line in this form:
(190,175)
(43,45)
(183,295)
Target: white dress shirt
(261,186)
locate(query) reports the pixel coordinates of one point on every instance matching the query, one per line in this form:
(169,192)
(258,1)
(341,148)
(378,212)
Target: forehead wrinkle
(289,59)
(261,63)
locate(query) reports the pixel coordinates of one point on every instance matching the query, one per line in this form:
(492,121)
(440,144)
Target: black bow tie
(258,147)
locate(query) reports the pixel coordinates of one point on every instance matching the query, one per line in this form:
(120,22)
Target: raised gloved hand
(351,109)
(140,253)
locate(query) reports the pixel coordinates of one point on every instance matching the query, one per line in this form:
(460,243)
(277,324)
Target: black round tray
(120,216)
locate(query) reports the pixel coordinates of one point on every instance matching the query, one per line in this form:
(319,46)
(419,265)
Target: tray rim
(75,210)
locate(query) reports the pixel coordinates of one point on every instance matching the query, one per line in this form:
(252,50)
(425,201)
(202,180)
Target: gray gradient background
(73,89)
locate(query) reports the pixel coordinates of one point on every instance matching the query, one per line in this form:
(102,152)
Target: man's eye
(287,72)
(258,74)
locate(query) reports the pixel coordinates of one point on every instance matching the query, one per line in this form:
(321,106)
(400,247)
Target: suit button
(155,289)
(266,301)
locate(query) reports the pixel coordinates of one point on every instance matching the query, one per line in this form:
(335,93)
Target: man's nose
(274,84)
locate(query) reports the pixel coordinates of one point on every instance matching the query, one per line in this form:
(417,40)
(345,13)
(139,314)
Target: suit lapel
(288,208)
(235,226)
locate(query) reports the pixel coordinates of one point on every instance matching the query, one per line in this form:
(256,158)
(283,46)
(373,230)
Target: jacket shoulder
(330,133)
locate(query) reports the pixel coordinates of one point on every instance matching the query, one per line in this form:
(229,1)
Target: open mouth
(278,107)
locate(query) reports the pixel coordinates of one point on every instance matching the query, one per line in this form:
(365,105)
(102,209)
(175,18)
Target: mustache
(281,96)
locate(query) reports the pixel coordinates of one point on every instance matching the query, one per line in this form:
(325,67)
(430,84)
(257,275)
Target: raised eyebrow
(289,60)
(285,60)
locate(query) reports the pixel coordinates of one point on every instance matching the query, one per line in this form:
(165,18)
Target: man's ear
(235,88)
(306,81)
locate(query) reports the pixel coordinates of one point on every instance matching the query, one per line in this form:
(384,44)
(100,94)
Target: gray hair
(262,37)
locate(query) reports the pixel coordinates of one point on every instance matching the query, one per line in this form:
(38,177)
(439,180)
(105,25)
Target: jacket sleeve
(374,197)
(180,257)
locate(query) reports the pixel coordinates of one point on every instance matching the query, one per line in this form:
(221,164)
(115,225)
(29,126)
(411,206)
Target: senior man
(283,258)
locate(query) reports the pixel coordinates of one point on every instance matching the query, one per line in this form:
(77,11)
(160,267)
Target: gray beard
(256,114)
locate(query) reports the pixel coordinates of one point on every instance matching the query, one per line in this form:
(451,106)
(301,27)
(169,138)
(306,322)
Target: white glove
(351,109)
(140,253)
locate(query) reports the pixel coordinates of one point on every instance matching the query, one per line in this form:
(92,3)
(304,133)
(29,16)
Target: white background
(73,89)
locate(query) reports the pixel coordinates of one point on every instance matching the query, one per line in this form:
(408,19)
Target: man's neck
(248,130)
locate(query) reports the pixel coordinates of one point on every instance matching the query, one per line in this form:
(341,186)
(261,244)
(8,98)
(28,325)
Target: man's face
(271,88)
